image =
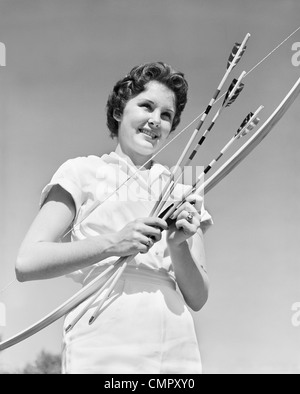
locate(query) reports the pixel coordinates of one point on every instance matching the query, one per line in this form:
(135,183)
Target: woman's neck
(138,161)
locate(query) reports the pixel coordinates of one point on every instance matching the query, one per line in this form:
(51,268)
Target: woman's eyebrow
(146,99)
(170,109)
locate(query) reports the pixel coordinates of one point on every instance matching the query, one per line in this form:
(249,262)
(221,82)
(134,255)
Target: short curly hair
(135,82)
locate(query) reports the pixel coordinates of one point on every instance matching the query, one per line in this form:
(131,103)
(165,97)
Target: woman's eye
(146,105)
(166,115)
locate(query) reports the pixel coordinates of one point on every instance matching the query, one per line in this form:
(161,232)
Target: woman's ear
(117,115)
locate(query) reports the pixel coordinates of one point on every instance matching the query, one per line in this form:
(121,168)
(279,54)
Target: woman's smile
(149,133)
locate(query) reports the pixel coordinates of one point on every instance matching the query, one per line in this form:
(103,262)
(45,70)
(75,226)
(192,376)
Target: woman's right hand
(137,236)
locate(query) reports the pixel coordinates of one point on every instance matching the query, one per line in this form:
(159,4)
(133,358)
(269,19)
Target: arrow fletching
(247,125)
(228,101)
(244,123)
(233,60)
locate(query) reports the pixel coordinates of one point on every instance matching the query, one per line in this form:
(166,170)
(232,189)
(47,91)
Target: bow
(93,287)
(207,186)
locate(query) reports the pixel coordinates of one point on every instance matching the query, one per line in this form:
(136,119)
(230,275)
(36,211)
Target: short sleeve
(69,178)
(206,220)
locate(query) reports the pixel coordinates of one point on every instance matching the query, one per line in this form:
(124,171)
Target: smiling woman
(145,325)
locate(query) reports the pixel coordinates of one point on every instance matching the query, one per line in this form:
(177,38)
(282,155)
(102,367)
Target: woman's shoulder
(83,163)
(80,170)
(85,160)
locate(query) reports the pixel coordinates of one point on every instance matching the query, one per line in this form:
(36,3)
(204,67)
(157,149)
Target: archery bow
(234,58)
(207,186)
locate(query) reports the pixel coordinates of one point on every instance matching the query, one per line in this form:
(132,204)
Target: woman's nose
(154,124)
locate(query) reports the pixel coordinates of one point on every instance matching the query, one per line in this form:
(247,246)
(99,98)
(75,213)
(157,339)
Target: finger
(152,232)
(147,241)
(144,230)
(188,228)
(188,207)
(156,222)
(191,217)
(196,200)
(147,244)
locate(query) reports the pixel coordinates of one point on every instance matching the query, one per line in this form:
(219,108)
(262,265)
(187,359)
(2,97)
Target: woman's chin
(147,147)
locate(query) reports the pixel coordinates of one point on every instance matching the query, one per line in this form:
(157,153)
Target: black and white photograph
(149,189)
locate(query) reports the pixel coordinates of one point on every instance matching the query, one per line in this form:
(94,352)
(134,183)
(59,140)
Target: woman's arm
(42,256)
(188,259)
(186,247)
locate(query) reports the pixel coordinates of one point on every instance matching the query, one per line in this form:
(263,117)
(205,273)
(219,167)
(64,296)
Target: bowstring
(7,286)
(271,53)
(171,141)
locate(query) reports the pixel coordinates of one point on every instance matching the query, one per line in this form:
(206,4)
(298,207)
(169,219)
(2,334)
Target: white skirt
(144,327)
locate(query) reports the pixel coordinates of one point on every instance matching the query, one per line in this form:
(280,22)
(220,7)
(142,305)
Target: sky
(62,59)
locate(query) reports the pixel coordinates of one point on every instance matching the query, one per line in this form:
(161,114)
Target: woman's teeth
(149,133)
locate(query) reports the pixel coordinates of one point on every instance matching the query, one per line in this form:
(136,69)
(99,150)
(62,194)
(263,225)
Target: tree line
(45,364)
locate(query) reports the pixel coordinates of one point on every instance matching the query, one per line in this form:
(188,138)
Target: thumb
(196,200)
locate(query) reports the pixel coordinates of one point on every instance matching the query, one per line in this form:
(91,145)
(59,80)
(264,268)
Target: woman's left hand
(186,220)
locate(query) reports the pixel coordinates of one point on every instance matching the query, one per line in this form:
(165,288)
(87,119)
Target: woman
(145,326)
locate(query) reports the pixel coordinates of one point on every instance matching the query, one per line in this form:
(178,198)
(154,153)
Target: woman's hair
(134,83)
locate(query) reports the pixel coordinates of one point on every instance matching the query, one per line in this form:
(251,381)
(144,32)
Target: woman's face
(146,122)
